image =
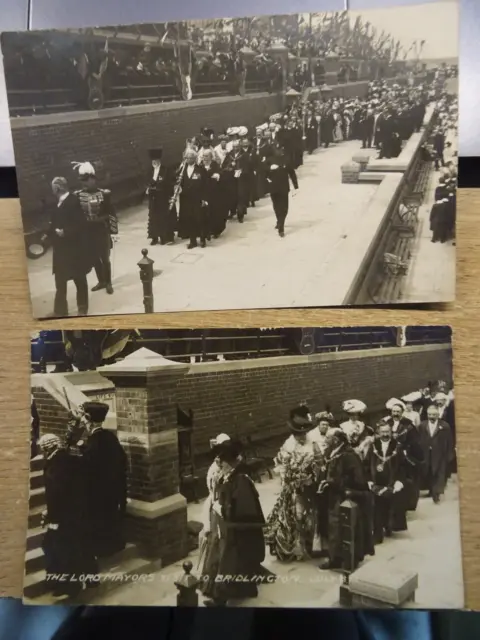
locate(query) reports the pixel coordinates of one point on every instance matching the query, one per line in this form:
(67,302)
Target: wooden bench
(406,217)
(392,269)
(420,181)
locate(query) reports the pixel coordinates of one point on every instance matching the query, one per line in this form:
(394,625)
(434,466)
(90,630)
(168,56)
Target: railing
(210,345)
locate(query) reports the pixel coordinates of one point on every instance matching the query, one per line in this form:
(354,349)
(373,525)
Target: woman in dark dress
(238,547)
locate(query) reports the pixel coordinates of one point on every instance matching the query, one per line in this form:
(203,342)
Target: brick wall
(255,401)
(119,139)
(165,538)
(53,416)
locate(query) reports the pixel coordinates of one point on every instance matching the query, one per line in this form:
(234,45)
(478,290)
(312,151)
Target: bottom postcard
(310,467)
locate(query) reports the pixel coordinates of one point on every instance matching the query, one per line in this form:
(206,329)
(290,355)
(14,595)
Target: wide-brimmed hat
(300,419)
(394,402)
(229,450)
(354,406)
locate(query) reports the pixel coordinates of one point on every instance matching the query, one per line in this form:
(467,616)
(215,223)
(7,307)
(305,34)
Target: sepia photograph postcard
(306,468)
(280,161)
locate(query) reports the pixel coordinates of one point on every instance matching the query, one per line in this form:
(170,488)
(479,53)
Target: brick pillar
(145,388)
(350,172)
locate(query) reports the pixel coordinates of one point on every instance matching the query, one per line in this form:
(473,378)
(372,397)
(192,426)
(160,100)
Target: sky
(437,23)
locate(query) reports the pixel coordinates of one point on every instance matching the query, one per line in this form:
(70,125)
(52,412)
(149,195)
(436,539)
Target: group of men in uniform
(85,475)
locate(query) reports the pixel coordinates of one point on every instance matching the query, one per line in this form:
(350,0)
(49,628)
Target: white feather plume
(84,168)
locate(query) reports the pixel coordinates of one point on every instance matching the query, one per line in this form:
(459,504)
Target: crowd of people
(223,175)
(85,478)
(444,208)
(325,461)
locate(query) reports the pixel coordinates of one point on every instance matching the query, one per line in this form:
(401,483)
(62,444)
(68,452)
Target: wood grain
(16,324)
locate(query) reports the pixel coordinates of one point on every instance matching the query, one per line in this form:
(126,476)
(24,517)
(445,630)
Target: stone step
(127,562)
(36,479)
(37,497)
(34,560)
(37,463)
(35,537)
(35,516)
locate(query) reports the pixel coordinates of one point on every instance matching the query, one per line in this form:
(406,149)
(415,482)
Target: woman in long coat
(238,549)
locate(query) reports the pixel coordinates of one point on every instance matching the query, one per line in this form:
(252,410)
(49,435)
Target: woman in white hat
(354,409)
(409,413)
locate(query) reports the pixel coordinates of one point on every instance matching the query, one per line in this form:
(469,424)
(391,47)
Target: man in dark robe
(437,447)
(161,211)
(242,167)
(439,146)
(217,212)
(66,543)
(385,480)
(327,126)
(104,464)
(311,131)
(439,220)
(71,260)
(411,459)
(102,223)
(366,127)
(388,134)
(345,479)
(193,205)
(241,544)
(279,175)
(261,152)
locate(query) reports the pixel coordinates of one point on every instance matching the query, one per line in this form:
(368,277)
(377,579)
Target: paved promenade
(431,547)
(249,266)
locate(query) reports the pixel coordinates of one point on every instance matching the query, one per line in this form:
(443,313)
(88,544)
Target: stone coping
(49,119)
(157,509)
(362,240)
(331,356)
(59,386)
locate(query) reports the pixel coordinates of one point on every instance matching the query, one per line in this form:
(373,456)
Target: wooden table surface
(16,324)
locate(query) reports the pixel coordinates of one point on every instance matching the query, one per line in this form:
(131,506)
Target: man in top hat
(71,259)
(161,215)
(279,175)
(105,471)
(102,223)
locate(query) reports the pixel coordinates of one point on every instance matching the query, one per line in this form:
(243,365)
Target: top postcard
(301,160)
